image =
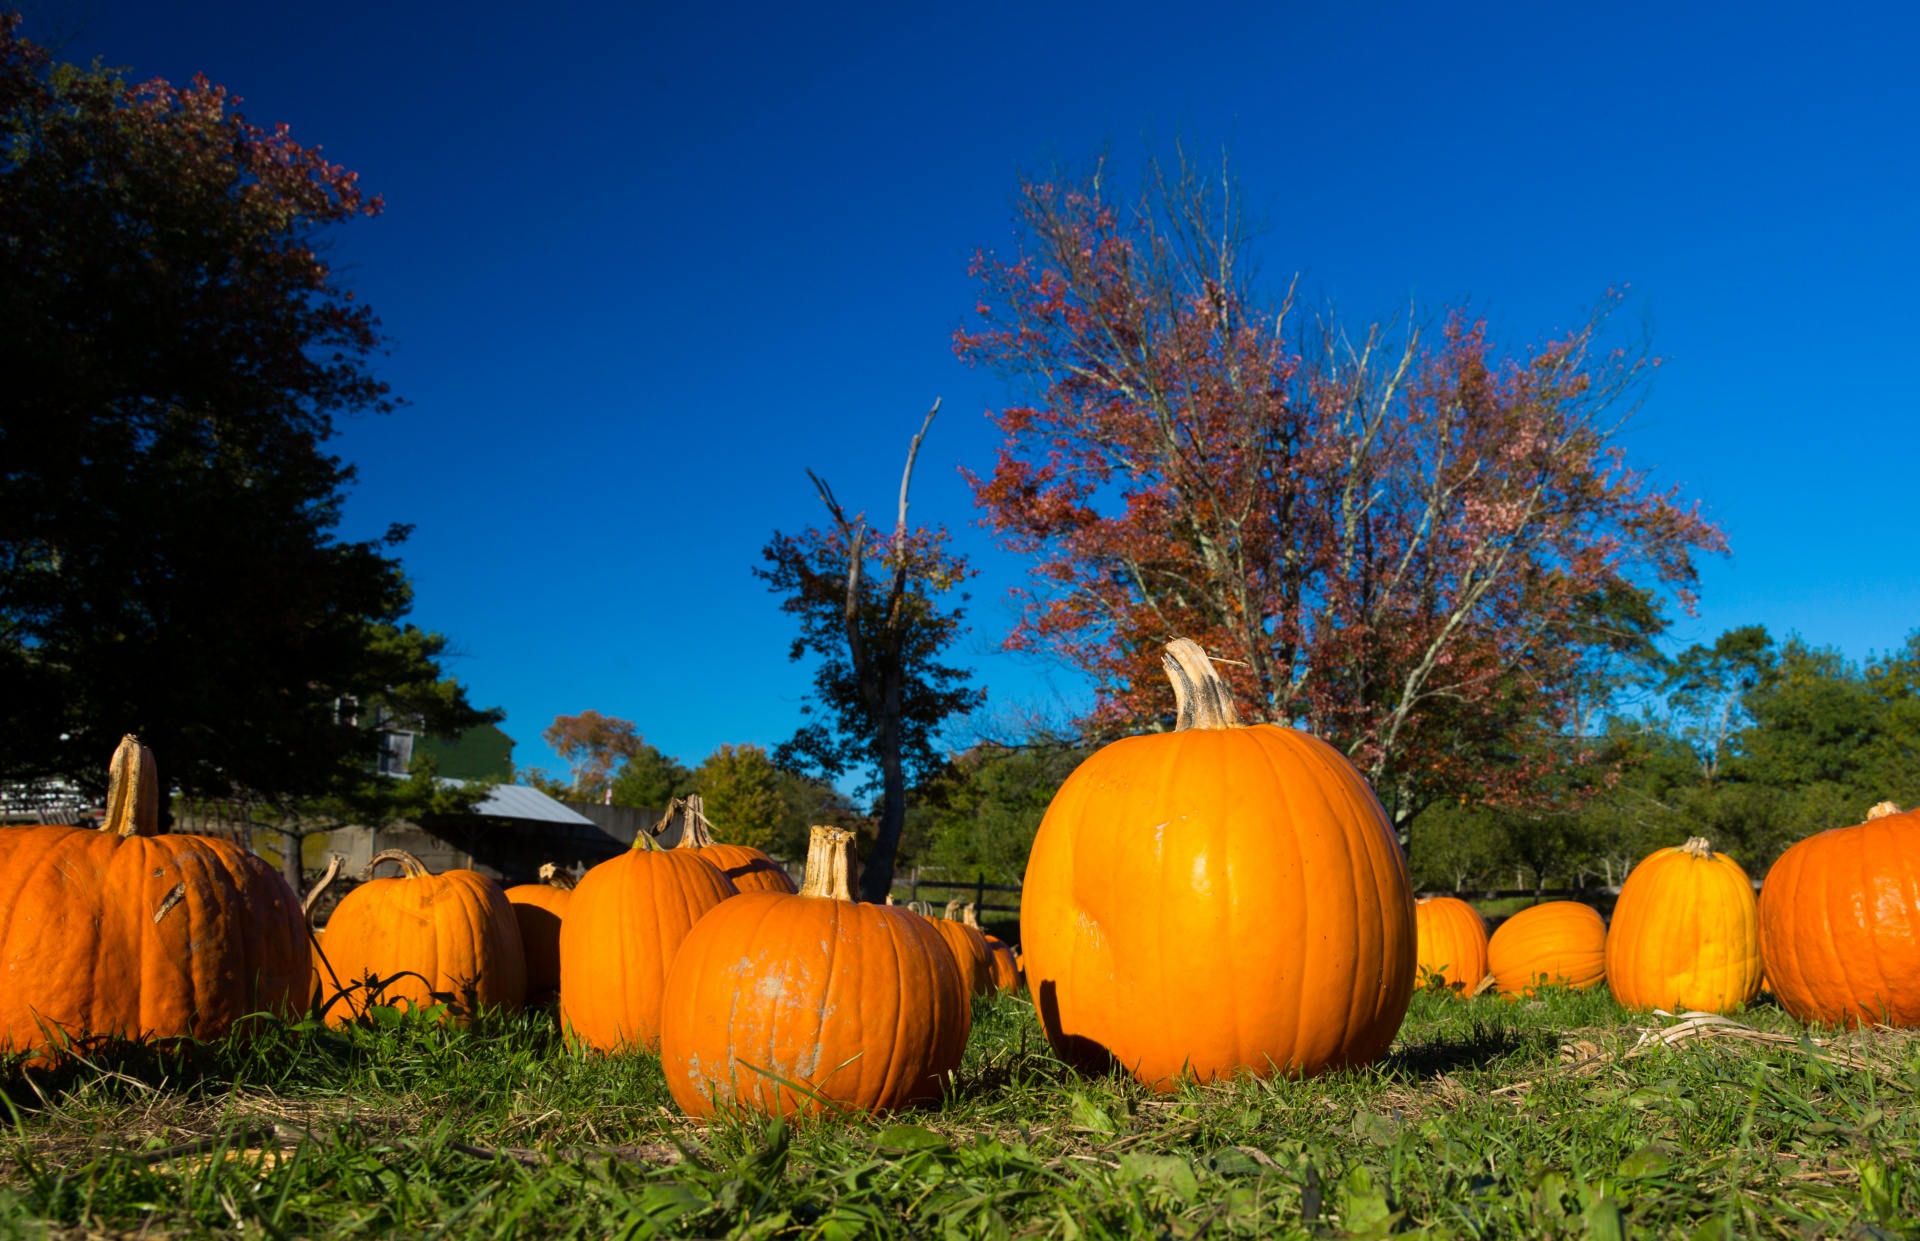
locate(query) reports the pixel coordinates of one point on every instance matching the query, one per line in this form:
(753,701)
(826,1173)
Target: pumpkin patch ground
(1555,1115)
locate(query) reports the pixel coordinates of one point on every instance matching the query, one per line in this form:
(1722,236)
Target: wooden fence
(915,882)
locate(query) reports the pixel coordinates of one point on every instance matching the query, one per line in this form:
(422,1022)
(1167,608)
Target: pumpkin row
(753,993)
(1832,933)
(1205,902)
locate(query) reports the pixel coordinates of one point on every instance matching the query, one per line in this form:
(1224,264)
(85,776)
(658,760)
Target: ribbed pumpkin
(969,947)
(1840,923)
(1216,900)
(1557,944)
(623,928)
(861,1005)
(424,939)
(1453,943)
(1685,933)
(539,909)
(126,932)
(1006,975)
(749,868)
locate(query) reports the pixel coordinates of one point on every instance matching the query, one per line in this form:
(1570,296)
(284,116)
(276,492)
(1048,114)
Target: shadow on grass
(263,1050)
(1482,1044)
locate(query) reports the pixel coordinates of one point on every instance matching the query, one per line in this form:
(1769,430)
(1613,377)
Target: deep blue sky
(643,263)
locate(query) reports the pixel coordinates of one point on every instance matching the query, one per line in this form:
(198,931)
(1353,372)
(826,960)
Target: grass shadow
(1482,1044)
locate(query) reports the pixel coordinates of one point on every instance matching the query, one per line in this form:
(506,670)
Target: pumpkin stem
(411,867)
(326,881)
(1880,811)
(953,910)
(553,875)
(832,865)
(696,830)
(971,915)
(133,791)
(889,898)
(1697,846)
(1202,698)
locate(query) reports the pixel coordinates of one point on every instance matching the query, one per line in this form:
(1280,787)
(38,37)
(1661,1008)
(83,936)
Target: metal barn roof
(517,801)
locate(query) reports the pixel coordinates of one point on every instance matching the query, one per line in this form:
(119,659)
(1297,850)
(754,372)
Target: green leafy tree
(1707,687)
(979,816)
(743,793)
(650,779)
(175,352)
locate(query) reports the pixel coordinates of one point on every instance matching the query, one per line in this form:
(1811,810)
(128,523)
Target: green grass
(1475,1125)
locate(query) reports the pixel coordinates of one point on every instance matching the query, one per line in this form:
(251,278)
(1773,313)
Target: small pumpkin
(1685,933)
(1556,943)
(969,947)
(801,1004)
(1840,923)
(539,908)
(624,925)
(1217,900)
(129,933)
(1452,943)
(424,939)
(1005,972)
(749,868)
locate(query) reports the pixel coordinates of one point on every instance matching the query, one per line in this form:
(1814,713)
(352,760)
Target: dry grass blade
(1584,1058)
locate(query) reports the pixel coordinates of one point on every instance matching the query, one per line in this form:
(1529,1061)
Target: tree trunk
(290,850)
(876,877)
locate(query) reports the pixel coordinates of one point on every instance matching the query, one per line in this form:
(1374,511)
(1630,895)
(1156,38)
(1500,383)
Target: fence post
(979,887)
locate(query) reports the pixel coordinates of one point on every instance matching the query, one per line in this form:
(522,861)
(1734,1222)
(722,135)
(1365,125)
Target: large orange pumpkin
(1840,923)
(749,868)
(539,909)
(1006,974)
(1453,943)
(1557,943)
(1685,933)
(1217,900)
(424,939)
(126,932)
(799,1004)
(623,928)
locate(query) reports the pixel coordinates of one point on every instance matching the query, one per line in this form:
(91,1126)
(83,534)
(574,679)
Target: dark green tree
(651,779)
(175,352)
(979,816)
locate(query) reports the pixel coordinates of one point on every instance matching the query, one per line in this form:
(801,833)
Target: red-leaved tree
(593,746)
(1410,542)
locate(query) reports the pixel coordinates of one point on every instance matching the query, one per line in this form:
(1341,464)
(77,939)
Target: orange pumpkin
(126,932)
(624,925)
(969,947)
(1557,943)
(799,1004)
(539,909)
(1453,943)
(424,939)
(1217,900)
(1840,923)
(1685,933)
(1006,974)
(749,868)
